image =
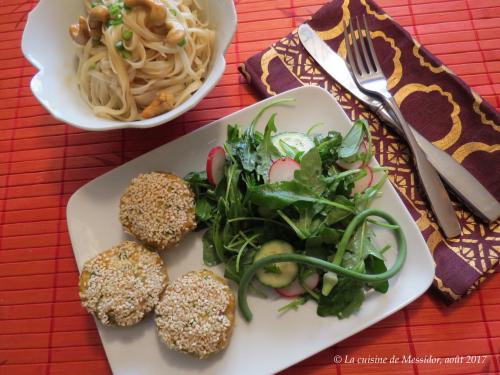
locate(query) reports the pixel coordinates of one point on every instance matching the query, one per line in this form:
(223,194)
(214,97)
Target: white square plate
(271,342)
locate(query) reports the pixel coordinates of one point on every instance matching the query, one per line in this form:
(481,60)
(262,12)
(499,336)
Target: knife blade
(467,188)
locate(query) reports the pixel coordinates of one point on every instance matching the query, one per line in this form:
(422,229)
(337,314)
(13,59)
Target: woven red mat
(43,328)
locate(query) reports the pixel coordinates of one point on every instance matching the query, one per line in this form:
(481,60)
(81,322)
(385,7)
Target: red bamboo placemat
(44,330)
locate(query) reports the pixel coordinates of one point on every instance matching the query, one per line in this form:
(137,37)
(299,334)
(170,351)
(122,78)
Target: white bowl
(48,47)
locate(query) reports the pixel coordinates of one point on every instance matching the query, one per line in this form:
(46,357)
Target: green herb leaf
(217,232)
(376,265)
(127,34)
(328,146)
(357,250)
(310,172)
(203,209)
(352,141)
(345,299)
(281,194)
(266,150)
(210,257)
(295,304)
(336,215)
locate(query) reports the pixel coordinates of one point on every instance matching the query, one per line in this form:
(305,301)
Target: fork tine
(350,56)
(366,55)
(370,45)
(361,67)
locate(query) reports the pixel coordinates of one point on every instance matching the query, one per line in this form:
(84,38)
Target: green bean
(328,266)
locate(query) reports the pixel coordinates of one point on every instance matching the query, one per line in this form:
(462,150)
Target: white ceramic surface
(272,341)
(47,45)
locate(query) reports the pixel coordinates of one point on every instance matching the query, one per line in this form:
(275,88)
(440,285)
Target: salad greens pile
(316,212)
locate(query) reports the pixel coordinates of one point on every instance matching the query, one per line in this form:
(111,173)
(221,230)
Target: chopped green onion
(115,22)
(173,11)
(182,43)
(127,34)
(120,46)
(115,13)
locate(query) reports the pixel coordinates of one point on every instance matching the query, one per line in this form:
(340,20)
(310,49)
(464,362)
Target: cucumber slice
(276,275)
(290,143)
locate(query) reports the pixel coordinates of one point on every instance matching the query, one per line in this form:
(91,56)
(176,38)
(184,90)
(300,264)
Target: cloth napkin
(434,100)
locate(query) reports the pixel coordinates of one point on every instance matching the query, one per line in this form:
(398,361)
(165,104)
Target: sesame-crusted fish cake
(196,314)
(158,209)
(121,285)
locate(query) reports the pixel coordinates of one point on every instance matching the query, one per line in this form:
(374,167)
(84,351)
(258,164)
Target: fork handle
(433,186)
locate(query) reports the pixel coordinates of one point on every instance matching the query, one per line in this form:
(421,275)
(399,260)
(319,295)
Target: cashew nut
(176,32)
(97,17)
(157,12)
(80,31)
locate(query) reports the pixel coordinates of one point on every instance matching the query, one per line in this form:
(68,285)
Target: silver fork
(370,79)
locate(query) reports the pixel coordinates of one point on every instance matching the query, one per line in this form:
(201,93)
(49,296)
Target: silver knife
(472,193)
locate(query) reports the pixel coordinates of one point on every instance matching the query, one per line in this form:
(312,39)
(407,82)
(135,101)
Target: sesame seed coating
(196,314)
(158,209)
(121,285)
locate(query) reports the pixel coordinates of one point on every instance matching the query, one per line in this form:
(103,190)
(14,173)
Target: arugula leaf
(335,215)
(318,251)
(289,150)
(233,196)
(356,251)
(203,210)
(328,146)
(266,150)
(371,249)
(295,304)
(345,299)
(231,274)
(363,201)
(198,182)
(233,133)
(376,265)
(330,236)
(352,140)
(281,194)
(244,147)
(310,172)
(230,271)
(210,257)
(243,150)
(217,232)
(308,221)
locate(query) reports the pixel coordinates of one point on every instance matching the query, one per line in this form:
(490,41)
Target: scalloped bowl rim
(31,40)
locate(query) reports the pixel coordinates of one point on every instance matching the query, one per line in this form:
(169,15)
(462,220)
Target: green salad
(292,210)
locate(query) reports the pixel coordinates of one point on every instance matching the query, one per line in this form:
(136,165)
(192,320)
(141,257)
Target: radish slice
(215,165)
(283,170)
(365,182)
(345,164)
(295,289)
